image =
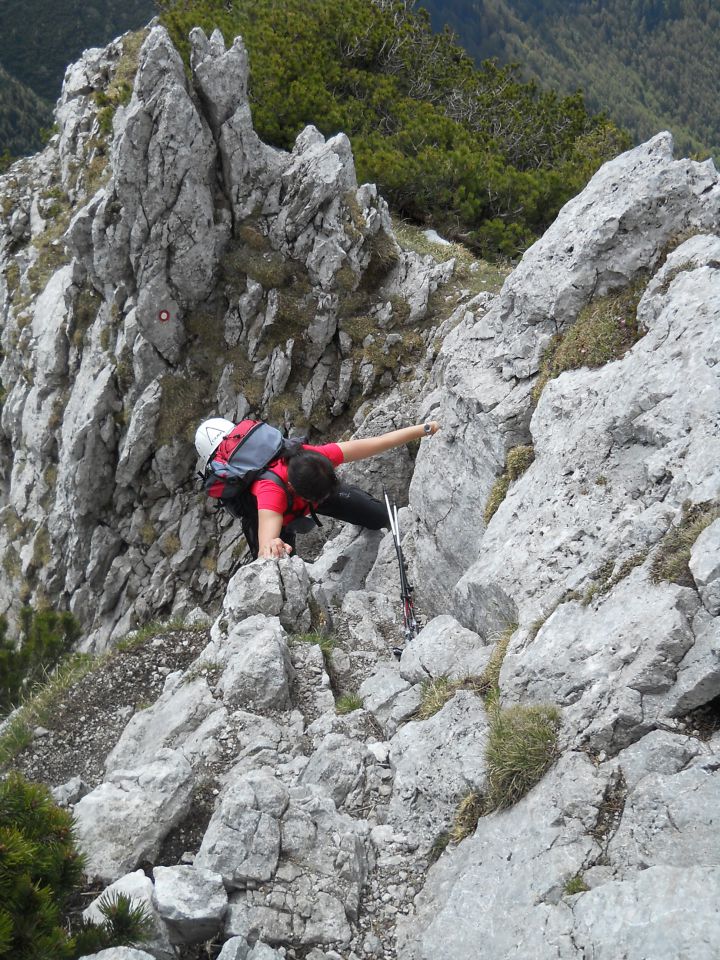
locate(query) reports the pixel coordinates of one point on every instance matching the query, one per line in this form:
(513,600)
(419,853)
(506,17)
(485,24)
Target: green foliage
(649,64)
(575,885)
(39,869)
(435,694)
(521,745)
(45,638)
(126,923)
(517,462)
(347,702)
(605,330)
(673,556)
(487,158)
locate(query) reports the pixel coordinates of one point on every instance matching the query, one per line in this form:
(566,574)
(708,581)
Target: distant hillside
(650,64)
(22,115)
(39,38)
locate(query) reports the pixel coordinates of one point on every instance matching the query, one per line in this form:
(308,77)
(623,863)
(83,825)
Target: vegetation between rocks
(347,703)
(522,745)
(518,460)
(672,560)
(606,328)
(40,870)
(46,637)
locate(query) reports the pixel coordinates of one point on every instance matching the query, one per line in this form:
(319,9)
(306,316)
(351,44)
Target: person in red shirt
(309,473)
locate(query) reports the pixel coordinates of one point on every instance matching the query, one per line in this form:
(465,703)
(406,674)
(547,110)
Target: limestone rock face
(620,423)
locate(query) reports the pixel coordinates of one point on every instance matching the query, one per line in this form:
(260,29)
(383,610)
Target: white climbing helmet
(209,435)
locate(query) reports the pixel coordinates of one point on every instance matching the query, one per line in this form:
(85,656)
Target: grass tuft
(672,561)
(490,679)
(435,694)
(522,745)
(517,462)
(469,811)
(347,703)
(575,885)
(604,330)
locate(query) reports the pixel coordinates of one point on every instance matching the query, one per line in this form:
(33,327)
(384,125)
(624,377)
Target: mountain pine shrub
(485,157)
(46,637)
(40,868)
(521,746)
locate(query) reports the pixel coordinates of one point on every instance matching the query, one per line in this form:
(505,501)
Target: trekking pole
(410,627)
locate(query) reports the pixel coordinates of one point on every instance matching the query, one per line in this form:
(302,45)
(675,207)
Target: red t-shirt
(270,496)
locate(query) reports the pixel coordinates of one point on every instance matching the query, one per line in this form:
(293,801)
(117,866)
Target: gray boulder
(242,842)
(191,901)
(254,664)
(275,588)
(444,648)
(123,821)
(437,762)
(186,717)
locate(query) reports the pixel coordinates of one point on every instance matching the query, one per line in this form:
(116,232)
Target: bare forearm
(370,447)
(269,527)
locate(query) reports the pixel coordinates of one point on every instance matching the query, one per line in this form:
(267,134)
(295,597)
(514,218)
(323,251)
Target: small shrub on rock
(39,869)
(522,745)
(348,702)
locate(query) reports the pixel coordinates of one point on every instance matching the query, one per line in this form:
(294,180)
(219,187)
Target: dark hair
(311,474)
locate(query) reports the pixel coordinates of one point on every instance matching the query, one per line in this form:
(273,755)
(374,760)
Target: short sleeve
(330,450)
(269,496)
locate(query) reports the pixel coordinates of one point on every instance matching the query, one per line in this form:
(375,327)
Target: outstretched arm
(362,449)
(269,527)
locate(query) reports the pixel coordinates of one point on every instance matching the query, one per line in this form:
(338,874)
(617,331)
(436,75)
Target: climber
(304,483)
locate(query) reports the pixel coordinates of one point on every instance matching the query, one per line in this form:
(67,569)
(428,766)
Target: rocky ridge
(160,264)
(309,833)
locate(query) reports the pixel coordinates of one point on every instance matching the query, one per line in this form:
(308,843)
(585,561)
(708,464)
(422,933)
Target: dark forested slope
(22,116)
(650,64)
(39,38)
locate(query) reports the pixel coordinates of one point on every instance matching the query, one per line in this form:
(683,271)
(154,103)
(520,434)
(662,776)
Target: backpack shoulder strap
(271,475)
